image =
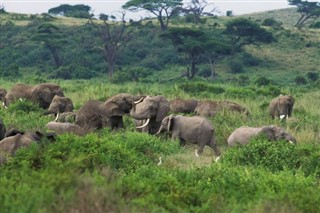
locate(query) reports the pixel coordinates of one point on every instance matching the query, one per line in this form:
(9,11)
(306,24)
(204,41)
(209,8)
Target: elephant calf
(242,135)
(193,129)
(60,128)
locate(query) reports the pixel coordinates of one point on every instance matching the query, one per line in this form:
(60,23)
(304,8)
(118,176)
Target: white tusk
(56,117)
(144,125)
(160,161)
(196,153)
(291,142)
(20,99)
(217,159)
(282,117)
(141,99)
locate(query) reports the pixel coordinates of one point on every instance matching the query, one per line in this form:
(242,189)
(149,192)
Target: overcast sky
(112,6)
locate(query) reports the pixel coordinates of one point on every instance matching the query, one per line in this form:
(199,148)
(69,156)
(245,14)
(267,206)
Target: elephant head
(59,105)
(96,114)
(281,106)
(151,110)
(44,93)
(242,135)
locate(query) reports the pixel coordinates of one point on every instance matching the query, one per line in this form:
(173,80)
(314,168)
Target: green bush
(236,66)
(198,87)
(300,80)
(262,81)
(313,76)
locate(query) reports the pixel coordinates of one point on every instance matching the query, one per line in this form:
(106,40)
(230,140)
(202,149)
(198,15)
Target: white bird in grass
(160,161)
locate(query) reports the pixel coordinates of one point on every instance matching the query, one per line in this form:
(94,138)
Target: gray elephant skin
(41,94)
(69,117)
(183,105)
(211,108)
(96,114)
(61,128)
(59,105)
(193,129)
(16,139)
(281,106)
(2,129)
(149,112)
(242,135)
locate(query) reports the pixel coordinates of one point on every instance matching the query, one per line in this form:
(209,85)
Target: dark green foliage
(198,87)
(300,80)
(307,9)
(270,22)
(23,106)
(76,11)
(313,76)
(250,60)
(263,81)
(315,25)
(236,66)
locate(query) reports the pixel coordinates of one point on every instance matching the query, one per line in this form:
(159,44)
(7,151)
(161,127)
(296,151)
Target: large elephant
(60,128)
(242,135)
(211,108)
(149,112)
(193,129)
(3,93)
(41,94)
(183,105)
(96,114)
(281,107)
(59,105)
(16,139)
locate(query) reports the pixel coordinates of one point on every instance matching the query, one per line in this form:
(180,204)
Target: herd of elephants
(151,114)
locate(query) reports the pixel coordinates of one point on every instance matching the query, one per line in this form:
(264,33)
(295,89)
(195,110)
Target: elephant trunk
(160,130)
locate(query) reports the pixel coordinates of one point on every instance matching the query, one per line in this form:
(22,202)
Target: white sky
(112,6)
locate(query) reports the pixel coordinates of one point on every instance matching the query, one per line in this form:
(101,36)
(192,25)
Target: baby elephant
(193,129)
(60,128)
(242,135)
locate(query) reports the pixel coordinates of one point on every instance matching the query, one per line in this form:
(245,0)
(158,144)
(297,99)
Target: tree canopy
(162,9)
(77,11)
(308,10)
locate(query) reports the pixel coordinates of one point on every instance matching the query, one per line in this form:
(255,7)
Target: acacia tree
(196,8)
(51,36)
(114,36)
(244,32)
(307,10)
(190,43)
(162,9)
(77,11)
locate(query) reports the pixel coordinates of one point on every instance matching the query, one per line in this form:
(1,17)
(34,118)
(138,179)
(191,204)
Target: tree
(196,8)
(162,9)
(307,10)
(246,32)
(190,43)
(114,36)
(52,38)
(77,11)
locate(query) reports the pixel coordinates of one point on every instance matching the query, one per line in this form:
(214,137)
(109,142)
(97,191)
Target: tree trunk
(56,57)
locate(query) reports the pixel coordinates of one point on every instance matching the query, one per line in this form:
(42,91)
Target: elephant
(41,94)
(193,129)
(60,128)
(69,117)
(3,93)
(183,105)
(2,129)
(59,105)
(149,112)
(16,139)
(96,114)
(243,135)
(211,108)
(281,107)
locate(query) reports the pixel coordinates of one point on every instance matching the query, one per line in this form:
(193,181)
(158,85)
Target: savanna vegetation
(117,171)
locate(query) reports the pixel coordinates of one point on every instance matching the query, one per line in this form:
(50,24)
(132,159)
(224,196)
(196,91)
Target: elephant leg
(200,150)
(182,142)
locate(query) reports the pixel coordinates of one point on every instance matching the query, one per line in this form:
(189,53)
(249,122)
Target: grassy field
(118,172)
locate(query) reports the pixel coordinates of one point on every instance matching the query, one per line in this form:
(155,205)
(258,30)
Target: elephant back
(44,93)
(18,91)
(183,105)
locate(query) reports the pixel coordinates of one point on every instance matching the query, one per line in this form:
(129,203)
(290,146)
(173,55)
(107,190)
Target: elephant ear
(270,132)
(163,109)
(112,109)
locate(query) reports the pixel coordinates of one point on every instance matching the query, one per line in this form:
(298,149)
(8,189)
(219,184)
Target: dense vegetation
(117,171)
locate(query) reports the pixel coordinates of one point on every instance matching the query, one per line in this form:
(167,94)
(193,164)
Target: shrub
(313,76)
(263,81)
(236,66)
(271,22)
(250,60)
(315,25)
(198,87)
(300,80)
